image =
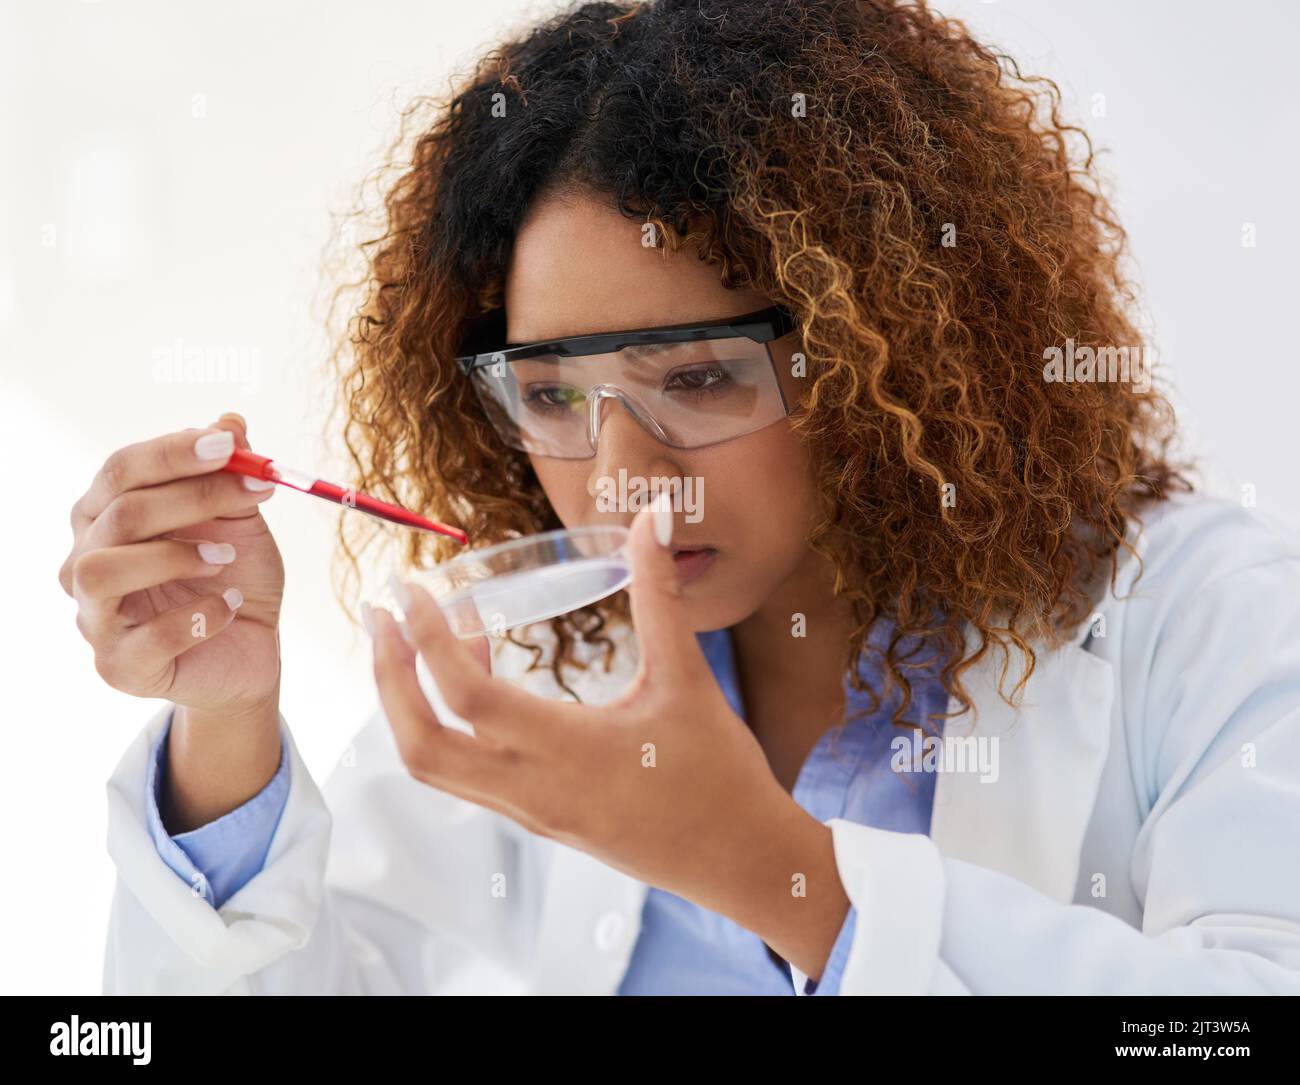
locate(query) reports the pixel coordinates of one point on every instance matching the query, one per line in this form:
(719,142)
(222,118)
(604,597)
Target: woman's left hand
(666,783)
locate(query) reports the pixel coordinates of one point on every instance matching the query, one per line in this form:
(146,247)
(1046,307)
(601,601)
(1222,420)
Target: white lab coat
(1143,835)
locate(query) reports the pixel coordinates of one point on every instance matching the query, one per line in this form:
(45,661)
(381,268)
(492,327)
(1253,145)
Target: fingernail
(234,598)
(662,507)
(257,485)
(215,446)
(368,617)
(217,553)
(400,591)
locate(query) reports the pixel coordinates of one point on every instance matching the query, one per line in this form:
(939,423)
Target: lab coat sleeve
(378,884)
(1212,718)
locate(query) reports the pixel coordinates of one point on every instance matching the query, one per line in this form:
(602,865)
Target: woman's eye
(553,398)
(706,379)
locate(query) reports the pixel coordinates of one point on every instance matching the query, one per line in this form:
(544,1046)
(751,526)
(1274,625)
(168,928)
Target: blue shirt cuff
(219,858)
(829,984)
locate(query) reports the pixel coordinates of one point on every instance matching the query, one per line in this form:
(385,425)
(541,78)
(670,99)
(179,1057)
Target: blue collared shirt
(219,857)
(682,948)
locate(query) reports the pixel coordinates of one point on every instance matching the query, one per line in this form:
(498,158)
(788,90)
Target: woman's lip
(692,562)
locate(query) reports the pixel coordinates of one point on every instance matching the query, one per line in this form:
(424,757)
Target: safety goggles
(689,385)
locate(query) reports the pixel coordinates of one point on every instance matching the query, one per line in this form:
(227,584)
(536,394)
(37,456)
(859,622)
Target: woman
(955,686)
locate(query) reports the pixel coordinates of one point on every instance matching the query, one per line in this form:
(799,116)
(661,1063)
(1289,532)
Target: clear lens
(525,580)
(687,394)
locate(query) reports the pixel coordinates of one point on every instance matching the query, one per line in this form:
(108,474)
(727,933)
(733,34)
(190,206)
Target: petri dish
(525,580)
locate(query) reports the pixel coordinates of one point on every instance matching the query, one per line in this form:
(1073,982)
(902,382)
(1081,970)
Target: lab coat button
(609,931)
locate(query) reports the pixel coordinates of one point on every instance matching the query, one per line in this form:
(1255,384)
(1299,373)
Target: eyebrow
(634,350)
(646,349)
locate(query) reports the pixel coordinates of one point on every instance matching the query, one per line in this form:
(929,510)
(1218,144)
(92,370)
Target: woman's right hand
(177,579)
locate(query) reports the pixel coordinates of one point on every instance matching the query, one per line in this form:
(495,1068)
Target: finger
(156,510)
(148,463)
(445,757)
(464,615)
(102,577)
(666,643)
(481,650)
(235,424)
(466,621)
(467,688)
(142,660)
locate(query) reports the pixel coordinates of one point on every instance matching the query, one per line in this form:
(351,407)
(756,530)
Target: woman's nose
(605,395)
(623,442)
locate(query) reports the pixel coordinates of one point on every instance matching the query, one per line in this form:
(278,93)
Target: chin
(709,608)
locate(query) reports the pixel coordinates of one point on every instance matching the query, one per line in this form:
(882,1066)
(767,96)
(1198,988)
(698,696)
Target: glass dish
(525,580)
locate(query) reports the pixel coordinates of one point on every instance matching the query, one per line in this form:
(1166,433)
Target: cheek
(768,471)
(760,490)
(565,485)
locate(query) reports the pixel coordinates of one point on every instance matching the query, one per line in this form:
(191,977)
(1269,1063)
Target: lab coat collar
(1051,749)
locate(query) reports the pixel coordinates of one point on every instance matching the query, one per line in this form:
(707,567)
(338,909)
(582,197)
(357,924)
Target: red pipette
(243,462)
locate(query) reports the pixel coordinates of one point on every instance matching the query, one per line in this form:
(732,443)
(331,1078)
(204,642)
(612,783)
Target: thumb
(235,424)
(667,644)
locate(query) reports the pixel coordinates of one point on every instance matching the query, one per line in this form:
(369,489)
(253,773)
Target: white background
(210,229)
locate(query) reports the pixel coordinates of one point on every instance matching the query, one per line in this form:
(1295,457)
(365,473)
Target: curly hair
(903,190)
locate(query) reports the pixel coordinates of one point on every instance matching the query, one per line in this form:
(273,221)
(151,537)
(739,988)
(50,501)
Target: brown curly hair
(826,153)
